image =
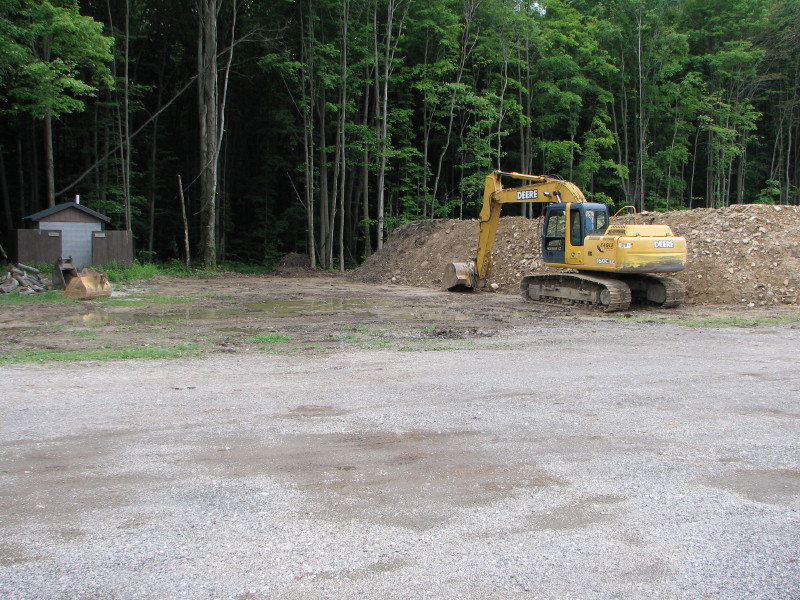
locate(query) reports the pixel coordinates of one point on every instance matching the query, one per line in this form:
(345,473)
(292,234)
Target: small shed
(72,230)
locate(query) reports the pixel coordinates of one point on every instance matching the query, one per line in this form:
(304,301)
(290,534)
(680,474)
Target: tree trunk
(186,257)
(467,45)
(308,92)
(151,203)
(324,199)
(341,153)
(209,125)
(390,45)
(9,219)
(365,181)
(21,178)
(49,164)
(126,121)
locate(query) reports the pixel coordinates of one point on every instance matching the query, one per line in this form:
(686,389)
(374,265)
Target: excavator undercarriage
(608,293)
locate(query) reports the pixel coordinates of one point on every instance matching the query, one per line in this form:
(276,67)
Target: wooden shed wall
(39,246)
(34,246)
(112,246)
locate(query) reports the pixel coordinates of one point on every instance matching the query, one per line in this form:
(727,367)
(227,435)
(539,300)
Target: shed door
(76,240)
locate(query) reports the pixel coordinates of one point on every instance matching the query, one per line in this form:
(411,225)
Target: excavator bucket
(64,271)
(89,283)
(459,276)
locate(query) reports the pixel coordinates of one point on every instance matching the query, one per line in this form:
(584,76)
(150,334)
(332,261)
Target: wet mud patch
(451,333)
(780,486)
(414,479)
(584,512)
(318,314)
(61,489)
(315,410)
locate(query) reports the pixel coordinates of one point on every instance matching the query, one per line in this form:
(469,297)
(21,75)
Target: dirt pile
(745,254)
(294,265)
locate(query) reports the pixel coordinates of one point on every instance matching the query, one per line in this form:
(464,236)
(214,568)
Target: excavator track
(609,294)
(655,290)
(577,289)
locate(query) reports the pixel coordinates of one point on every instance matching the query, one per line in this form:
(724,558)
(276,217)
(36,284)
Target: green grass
(116,273)
(244,268)
(270,338)
(85,333)
(720,322)
(42,298)
(147,270)
(101,354)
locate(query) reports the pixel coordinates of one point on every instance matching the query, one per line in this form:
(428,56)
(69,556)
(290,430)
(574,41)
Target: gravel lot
(565,458)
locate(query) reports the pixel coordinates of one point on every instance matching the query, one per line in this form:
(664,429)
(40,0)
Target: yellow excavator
(611,265)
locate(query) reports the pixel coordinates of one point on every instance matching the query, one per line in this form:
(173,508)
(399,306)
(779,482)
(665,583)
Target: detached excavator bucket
(459,276)
(89,283)
(64,271)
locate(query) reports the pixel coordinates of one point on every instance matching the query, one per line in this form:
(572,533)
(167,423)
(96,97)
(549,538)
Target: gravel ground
(573,459)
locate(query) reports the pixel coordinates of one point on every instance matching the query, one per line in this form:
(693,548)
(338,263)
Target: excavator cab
(566,225)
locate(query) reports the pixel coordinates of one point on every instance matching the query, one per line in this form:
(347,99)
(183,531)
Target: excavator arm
(541,190)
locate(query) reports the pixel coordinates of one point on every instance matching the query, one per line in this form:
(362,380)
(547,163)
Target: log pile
(24,280)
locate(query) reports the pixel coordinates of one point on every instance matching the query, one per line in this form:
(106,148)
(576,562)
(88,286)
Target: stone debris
(744,254)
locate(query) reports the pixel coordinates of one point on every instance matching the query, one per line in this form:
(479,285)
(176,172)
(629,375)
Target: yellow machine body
(626,249)
(578,235)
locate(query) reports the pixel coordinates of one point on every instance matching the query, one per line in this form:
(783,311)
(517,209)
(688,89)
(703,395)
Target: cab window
(575,234)
(556,228)
(596,222)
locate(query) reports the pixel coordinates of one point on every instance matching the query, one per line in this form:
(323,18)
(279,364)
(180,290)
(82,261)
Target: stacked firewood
(24,280)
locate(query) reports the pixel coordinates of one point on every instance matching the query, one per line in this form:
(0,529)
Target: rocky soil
(745,255)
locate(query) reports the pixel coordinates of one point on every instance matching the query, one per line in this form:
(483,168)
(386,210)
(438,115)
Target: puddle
(299,307)
(277,309)
(91,318)
(779,486)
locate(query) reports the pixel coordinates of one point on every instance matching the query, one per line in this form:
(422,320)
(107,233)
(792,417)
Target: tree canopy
(318,126)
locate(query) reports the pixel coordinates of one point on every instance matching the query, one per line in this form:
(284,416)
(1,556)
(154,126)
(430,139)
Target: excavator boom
(543,190)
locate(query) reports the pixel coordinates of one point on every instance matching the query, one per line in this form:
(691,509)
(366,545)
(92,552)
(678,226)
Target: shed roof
(59,207)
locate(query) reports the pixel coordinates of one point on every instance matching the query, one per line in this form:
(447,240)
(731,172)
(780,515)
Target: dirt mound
(294,265)
(745,254)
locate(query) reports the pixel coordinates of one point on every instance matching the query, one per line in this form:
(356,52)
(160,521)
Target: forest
(239,130)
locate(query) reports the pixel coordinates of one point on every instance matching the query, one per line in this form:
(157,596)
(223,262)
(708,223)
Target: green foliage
(139,271)
(661,104)
(770,193)
(54,50)
(116,273)
(101,354)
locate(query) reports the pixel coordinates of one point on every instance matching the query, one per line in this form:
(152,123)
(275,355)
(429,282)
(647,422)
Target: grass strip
(42,298)
(100,354)
(271,338)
